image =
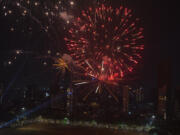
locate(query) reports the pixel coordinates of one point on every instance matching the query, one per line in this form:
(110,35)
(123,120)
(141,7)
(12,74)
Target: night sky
(154,15)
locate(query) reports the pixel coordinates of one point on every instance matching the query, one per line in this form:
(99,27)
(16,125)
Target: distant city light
(49,51)
(9,11)
(68,22)
(57,53)
(18,4)
(12,29)
(69,93)
(25,11)
(9,62)
(35,3)
(47,94)
(109,96)
(28,2)
(44,63)
(18,52)
(153,116)
(46,13)
(72,3)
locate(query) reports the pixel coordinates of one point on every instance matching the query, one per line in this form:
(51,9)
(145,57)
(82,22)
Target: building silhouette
(165,91)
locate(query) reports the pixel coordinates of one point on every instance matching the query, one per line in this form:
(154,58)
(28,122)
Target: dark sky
(154,15)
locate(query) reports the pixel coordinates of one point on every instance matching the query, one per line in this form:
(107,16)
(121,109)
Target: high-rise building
(1,92)
(164,90)
(139,95)
(177,103)
(61,94)
(32,95)
(69,103)
(125,98)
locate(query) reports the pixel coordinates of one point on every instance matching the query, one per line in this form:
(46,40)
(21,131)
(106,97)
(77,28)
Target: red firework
(106,42)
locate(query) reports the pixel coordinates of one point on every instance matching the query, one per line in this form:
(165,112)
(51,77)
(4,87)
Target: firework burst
(106,43)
